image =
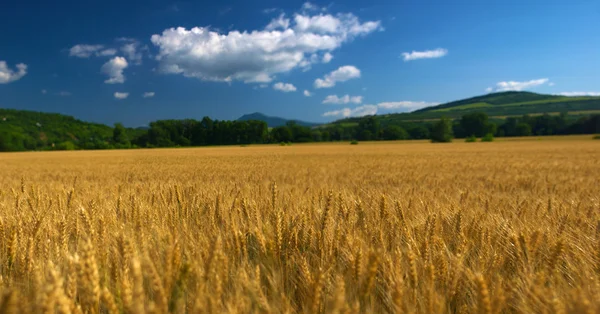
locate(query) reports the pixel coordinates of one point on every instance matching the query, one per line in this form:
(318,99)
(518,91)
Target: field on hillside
(389,228)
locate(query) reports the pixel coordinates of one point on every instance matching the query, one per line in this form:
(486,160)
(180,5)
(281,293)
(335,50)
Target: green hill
(498,105)
(29,130)
(273,122)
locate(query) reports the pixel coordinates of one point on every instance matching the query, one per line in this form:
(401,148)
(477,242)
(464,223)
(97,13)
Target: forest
(32,131)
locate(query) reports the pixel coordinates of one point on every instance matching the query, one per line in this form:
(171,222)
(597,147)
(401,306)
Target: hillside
(498,105)
(30,130)
(273,122)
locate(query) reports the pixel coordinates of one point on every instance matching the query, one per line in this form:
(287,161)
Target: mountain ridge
(273,122)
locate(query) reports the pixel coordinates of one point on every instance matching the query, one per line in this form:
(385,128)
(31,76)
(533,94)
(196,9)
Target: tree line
(74,134)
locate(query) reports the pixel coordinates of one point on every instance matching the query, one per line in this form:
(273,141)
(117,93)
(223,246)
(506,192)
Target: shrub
(354,142)
(596,137)
(471,139)
(488,138)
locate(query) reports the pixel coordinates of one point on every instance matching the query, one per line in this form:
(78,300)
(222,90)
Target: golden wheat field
(506,227)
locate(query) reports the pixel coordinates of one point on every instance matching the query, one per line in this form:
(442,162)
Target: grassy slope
(497,105)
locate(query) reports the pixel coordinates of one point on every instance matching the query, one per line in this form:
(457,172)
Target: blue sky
(139,61)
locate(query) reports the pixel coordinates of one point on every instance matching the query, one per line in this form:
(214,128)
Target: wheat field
(505,227)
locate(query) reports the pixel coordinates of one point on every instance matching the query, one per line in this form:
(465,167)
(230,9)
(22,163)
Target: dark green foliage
(27,130)
(394,132)
(488,138)
(596,137)
(281,134)
(474,124)
(441,131)
(120,137)
(354,142)
(369,129)
(522,129)
(181,133)
(471,139)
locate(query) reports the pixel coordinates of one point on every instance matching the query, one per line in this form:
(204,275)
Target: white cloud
(309,6)
(489,90)
(121,95)
(279,23)
(387,107)
(284,87)
(131,51)
(327,57)
(307,93)
(44,91)
(342,74)
(64,94)
(428,54)
(405,105)
(7,75)
(270,10)
(571,94)
(84,51)
(256,56)
(148,94)
(334,99)
(114,69)
(107,52)
(364,110)
(519,86)
(551,84)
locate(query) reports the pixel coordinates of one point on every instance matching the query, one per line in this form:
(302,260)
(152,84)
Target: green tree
(475,124)
(369,128)
(394,132)
(441,131)
(120,136)
(523,129)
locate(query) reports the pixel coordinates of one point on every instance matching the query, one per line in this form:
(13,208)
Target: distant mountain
(273,122)
(498,105)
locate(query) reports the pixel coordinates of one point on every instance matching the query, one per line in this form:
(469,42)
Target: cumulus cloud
(119,95)
(571,94)
(327,57)
(519,86)
(365,110)
(489,90)
(148,94)
(428,54)
(334,99)
(8,75)
(284,87)
(114,69)
(283,45)
(342,74)
(307,93)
